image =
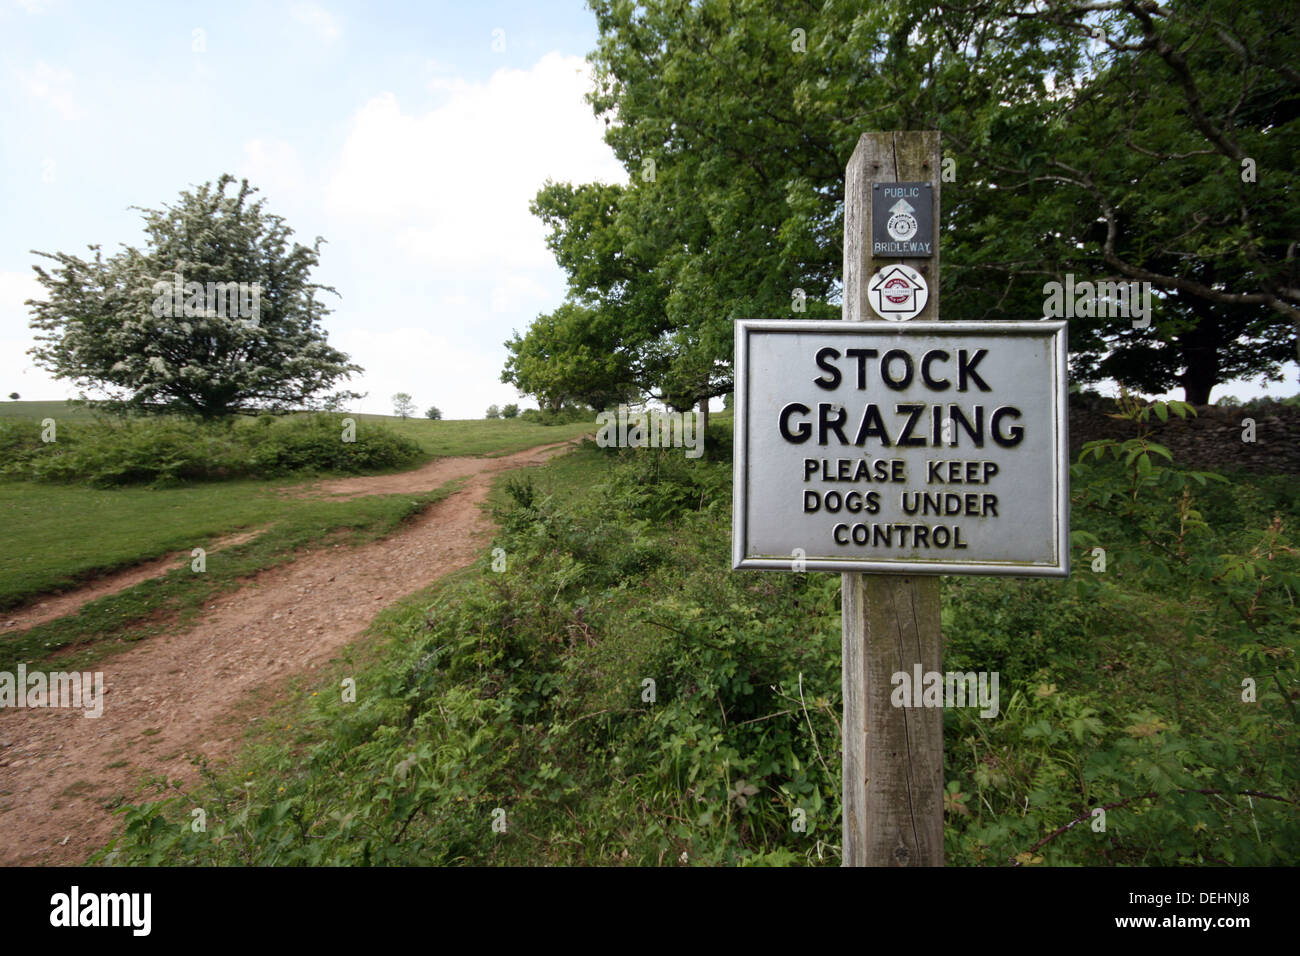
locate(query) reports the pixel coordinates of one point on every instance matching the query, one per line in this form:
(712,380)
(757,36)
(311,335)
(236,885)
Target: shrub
(170,449)
(18,438)
(314,443)
(566,415)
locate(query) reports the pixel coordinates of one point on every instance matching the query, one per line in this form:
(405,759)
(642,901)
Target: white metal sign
(917,447)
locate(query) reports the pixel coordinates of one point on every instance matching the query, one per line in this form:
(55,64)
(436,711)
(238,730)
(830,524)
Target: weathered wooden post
(892,450)
(893,756)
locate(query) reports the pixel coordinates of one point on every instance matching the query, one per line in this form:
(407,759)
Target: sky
(411,136)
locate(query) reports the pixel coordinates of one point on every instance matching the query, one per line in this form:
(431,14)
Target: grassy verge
(57,535)
(37,411)
(117,620)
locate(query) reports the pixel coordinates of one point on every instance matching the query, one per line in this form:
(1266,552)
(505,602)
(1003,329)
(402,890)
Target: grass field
(35,411)
(488,436)
(55,535)
(484,436)
(114,621)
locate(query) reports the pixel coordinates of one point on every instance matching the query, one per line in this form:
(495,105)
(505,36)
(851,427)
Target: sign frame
(1054,330)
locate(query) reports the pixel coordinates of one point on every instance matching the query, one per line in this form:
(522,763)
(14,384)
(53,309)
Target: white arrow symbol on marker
(902,207)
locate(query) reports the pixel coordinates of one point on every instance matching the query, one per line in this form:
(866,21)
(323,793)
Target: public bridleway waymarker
(894,451)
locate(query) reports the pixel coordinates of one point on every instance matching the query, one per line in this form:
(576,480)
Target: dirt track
(189,693)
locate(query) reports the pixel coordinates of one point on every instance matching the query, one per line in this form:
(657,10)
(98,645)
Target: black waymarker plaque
(902,220)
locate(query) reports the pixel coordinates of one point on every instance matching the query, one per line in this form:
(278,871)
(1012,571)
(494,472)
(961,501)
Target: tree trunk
(1196,393)
(703,426)
(1202,365)
(1199,349)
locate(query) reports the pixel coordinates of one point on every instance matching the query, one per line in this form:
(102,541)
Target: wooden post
(893,756)
(702,426)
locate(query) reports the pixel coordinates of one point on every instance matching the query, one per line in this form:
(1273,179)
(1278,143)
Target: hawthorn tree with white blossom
(101,324)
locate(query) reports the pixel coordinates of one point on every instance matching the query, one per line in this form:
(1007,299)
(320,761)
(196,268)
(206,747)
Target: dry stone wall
(1212,441)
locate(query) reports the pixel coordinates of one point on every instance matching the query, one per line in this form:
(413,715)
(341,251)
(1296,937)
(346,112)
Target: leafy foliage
(1132,694)
(570,356)
(1130,141)
(565,415)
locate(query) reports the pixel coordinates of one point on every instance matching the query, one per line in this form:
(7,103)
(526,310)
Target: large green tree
(1109,140)
(571,356)
(216,315)
(605,343)
(1160,152)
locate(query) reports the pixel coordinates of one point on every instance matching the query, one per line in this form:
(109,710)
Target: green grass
(485,436)
(36,411)
(57,535)
(116,620)
(54,536)
(488,437)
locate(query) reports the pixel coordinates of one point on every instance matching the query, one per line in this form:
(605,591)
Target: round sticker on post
(897,293)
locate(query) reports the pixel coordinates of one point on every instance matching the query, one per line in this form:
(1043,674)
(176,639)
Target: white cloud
(274,168)
(516,293)
(428,366)
(452,185)
(17,373)
(51,86)
(318,19)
